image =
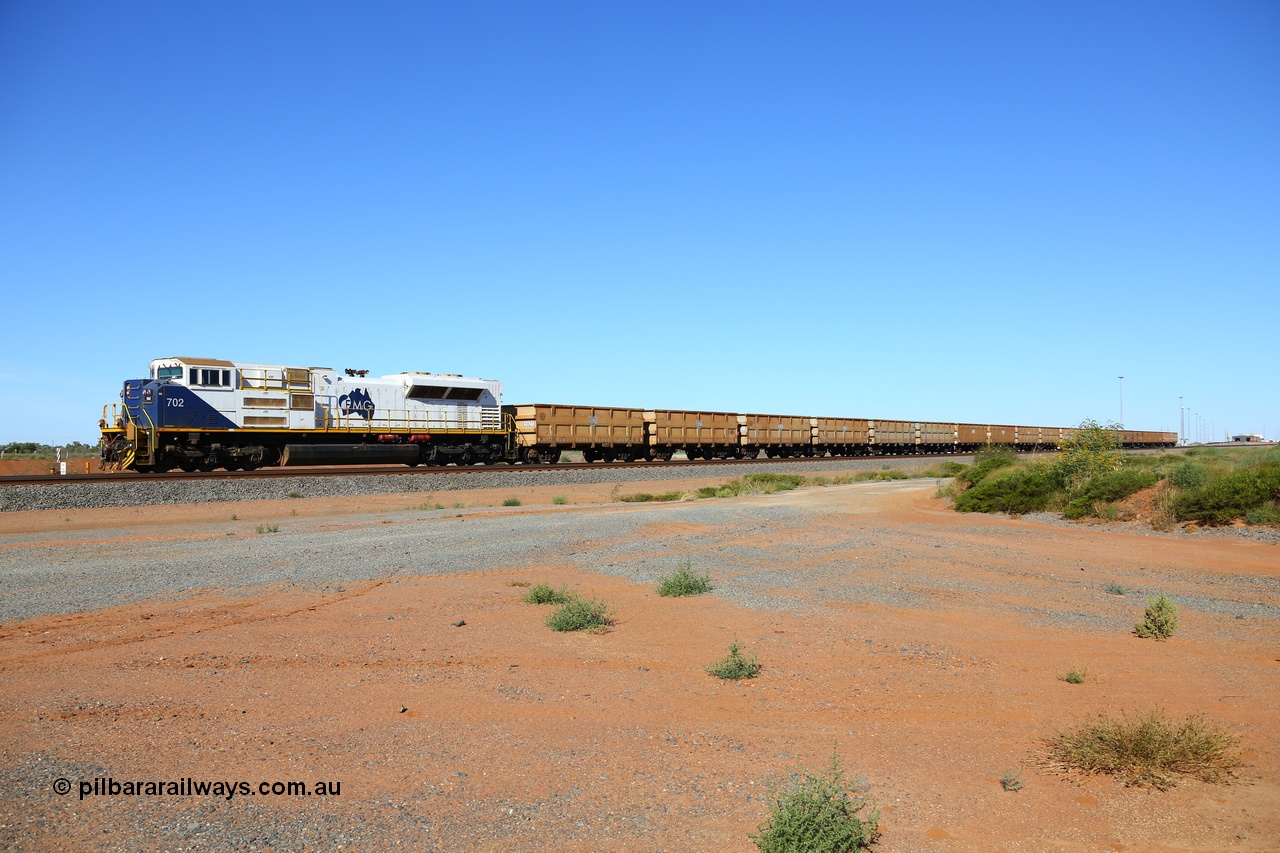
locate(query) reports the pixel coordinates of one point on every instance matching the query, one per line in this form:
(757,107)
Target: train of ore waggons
(203,413)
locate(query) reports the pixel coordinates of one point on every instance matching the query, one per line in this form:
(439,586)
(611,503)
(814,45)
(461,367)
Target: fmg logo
(357,402)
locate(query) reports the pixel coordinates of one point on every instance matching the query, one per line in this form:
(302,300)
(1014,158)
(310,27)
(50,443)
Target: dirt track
(928,645)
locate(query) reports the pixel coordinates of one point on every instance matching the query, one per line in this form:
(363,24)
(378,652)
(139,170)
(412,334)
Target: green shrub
(1011,780)
(1267,515)
(1188,475)
(735,666)
(646,497)
(295,494)
(818,813)
(1075,675)
(559,500)
(1229,497)
(1148,749)
(1160,620)
(511,502)
(1106,487)
(753,484)
(985,461)
(683,581)
(544,594)
(580,614)
(1092,450)
(1028,490)
(1115,588)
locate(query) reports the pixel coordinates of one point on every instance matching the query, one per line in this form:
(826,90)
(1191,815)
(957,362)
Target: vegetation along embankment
(1093,478)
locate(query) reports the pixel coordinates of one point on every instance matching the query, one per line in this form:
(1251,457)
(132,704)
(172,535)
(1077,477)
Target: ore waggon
(202,414)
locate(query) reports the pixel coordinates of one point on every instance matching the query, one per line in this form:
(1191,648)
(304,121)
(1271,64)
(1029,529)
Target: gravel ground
(89,495)
(819,556)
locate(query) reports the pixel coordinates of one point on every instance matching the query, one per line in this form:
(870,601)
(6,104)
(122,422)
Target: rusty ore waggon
(543,431)
(202,413)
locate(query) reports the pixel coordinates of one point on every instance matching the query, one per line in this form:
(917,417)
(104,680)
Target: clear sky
(979,212)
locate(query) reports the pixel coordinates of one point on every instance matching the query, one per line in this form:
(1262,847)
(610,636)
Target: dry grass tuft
(1148,749)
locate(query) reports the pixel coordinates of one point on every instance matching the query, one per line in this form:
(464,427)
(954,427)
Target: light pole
(1181,416)
(1122,401)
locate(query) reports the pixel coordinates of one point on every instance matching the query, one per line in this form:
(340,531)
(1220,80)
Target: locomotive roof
(195,360)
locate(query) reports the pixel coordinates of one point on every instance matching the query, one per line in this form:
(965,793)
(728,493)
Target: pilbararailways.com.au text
(189,787)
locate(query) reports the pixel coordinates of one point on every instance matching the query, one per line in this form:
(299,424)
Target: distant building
(1246,436)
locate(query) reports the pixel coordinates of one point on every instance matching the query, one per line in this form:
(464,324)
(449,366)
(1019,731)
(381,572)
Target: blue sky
(952,211)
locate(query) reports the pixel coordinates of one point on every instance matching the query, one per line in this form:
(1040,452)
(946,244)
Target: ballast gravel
(88,494)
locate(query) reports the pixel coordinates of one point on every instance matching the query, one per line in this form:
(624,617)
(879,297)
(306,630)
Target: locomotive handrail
(489,419)
(260,379)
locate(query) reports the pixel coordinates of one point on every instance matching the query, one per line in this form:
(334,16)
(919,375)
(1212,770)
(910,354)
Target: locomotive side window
(210,378)
(428,392)
(169,373)
(442,392)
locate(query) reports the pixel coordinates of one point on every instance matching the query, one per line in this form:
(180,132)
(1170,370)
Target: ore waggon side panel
(699,434)
(841,436)
(892,436)
(778,435)
(936,436)
(543,430)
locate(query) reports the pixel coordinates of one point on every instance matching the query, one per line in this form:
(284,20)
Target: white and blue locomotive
(204,413)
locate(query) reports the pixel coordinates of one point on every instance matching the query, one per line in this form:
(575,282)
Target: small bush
(273,528)
(1011,780)
(1106,487)
(1075,675)
(1028,490)
(1267,515)
(559,500)
(1189,475)
(818,813)
(646,497)
(543,594)
(1229,497)
(985,462)
(754,484)
(1148,749)
(735,666)
(295,494)
(1160,620)
(511,502)
(580,614)
(683,581)
(1115,588)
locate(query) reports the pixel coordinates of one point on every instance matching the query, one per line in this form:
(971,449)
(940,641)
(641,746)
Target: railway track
(369,470)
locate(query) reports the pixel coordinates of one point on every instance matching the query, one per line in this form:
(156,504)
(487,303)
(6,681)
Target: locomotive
(202,414)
